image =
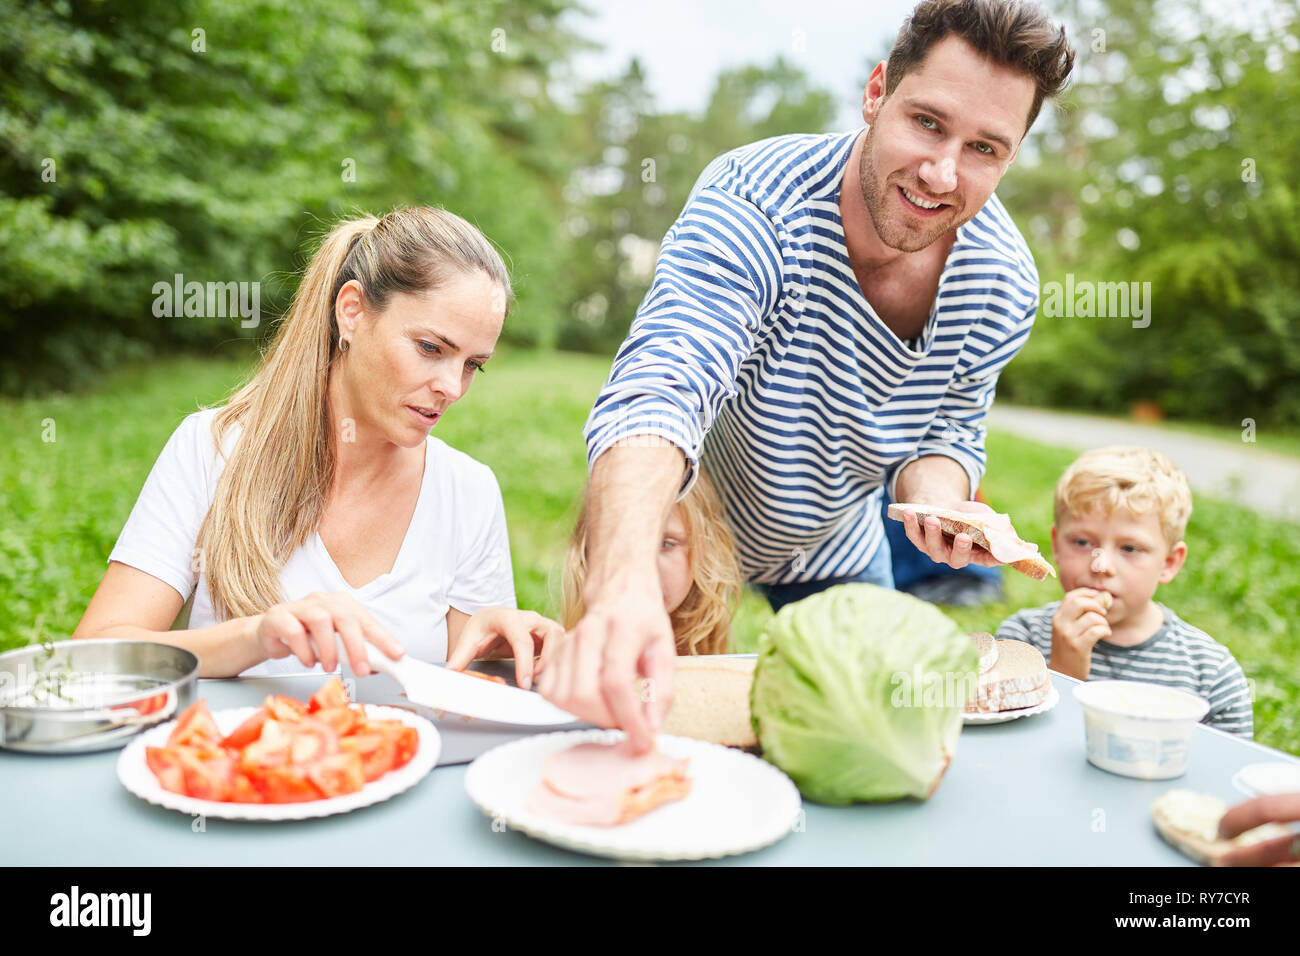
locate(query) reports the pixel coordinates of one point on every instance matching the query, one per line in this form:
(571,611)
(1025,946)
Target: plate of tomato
(285,760)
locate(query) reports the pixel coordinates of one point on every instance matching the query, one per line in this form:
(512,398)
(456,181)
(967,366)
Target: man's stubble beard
(891,232)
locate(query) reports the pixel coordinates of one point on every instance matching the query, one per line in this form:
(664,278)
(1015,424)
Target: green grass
(65,501)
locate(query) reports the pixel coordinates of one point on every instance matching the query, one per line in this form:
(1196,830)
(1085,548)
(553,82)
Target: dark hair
(1011,33)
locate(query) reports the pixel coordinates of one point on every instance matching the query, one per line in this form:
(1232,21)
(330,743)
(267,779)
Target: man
(828,318)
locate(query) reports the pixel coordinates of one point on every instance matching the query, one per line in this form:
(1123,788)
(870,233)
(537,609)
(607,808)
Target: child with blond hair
(698,572)
(1119,518)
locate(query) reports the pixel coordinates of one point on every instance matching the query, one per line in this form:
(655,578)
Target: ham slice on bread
(1017,679)
(595,784)
(992,532)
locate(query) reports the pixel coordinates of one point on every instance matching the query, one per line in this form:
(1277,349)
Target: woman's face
(675,561)
(407,364)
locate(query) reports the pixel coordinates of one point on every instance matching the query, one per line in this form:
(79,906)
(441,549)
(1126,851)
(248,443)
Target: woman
(330,508)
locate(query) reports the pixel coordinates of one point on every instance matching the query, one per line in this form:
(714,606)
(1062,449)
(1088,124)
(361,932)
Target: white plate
(1002,716)
(133,770)
(737,802)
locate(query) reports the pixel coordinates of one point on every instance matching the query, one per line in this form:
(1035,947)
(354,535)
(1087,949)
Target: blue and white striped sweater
(756,352)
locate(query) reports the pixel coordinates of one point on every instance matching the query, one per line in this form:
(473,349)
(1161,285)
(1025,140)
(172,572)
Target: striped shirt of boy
(1178,655)
(756,334)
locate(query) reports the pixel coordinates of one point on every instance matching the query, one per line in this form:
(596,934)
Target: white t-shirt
(455,554)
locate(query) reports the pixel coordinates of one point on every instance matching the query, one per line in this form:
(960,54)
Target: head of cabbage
(859,691)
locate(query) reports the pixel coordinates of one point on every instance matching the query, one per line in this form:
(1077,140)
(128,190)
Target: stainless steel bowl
(82,696)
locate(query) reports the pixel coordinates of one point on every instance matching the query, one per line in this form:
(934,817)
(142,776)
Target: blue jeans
(880,571)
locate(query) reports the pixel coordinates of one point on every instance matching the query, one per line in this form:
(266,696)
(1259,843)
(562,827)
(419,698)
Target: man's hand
(930,540)
(1078,624)
(625,633)
(592,671)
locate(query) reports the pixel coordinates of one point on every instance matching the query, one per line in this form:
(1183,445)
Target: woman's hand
(498,632)
(306,629)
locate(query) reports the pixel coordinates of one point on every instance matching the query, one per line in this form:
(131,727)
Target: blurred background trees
(141,140)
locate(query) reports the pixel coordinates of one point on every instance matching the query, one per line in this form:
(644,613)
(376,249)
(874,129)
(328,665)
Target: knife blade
(441,689)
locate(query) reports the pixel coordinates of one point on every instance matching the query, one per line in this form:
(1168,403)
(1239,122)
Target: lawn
(76,462)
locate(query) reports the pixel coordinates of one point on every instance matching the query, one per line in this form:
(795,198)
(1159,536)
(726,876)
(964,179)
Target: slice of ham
(596,784)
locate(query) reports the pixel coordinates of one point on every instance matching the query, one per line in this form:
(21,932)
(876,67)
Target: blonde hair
(1126,477)
(702,624)
(271,496)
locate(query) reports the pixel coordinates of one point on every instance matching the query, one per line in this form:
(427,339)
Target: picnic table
(1016,793)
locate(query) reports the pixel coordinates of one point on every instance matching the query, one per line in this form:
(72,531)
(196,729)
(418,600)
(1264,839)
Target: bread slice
(1189,822)
(992,533)
(711,700)
(1018,679)
(987,648)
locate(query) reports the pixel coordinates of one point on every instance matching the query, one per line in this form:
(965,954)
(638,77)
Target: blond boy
(1120,515)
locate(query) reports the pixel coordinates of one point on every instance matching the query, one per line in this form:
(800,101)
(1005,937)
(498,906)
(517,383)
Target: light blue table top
(1018,793)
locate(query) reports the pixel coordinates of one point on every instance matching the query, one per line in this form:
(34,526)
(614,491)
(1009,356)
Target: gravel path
(1263,481)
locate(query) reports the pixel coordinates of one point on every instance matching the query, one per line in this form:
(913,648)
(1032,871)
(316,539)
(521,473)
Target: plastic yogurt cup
(1137,729)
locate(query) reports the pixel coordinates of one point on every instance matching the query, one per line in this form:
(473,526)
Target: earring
(344,344)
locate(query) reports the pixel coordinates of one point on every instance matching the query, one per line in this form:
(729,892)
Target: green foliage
(636,167)
(211,139)
(1172,162)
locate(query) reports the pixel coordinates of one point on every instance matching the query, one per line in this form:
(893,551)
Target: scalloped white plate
(737,802)
(1002,716)
(133,770)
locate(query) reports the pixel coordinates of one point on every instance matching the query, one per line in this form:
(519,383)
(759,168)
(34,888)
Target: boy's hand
(1078,624)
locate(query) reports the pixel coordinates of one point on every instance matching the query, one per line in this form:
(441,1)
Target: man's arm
(592,670)
(717,280)
(933,480)
(946,468)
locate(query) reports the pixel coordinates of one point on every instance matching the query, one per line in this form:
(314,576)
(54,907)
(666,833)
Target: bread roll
(1018,679)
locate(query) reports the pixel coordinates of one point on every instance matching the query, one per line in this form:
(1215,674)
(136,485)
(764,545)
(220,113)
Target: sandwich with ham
(992,532)
(604,785)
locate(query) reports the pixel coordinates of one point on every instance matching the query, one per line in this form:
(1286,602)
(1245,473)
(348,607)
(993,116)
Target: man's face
(945,135)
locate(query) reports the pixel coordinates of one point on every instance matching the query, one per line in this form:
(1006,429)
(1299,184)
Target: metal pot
(86,695)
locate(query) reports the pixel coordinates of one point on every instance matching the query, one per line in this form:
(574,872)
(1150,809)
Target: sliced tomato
(344,720)
(166,766)
(271,749)
(332,694)
(193,726)
(408,741)
(247,732)
(285,708)
(405,738)
(338,774)
(287,784)
(208,773)
(312,740)
(243,790)
(378,752)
